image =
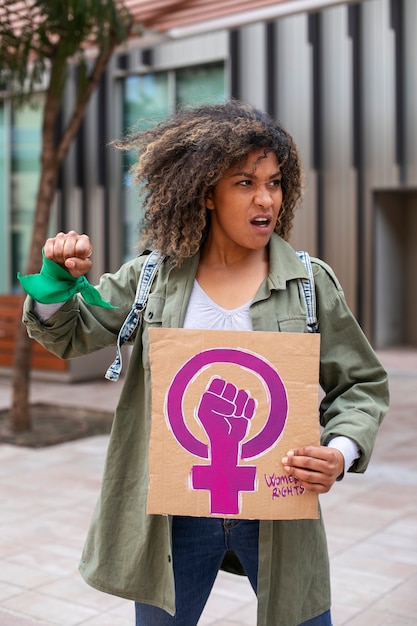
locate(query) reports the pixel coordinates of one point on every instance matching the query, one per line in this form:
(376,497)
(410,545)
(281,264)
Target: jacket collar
(284,264)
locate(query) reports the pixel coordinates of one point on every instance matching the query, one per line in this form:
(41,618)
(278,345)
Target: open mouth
(261,221)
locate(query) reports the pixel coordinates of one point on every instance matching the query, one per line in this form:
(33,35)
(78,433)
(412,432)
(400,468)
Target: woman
(220,185)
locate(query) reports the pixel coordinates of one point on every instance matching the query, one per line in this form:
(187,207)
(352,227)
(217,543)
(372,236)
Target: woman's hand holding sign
(316,467)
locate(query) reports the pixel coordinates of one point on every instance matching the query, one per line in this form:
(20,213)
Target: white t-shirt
(204,313)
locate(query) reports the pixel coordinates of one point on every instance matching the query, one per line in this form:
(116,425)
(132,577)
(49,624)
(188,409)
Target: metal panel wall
(379,94)
(339,223)
(293,97)
(378,104)
(113,170)
(410,68)
(252,65)
(94,203)
(202,49)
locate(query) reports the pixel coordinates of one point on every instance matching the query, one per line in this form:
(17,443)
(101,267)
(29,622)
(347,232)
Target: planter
(44,364)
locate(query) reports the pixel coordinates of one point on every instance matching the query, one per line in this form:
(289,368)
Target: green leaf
(55,32)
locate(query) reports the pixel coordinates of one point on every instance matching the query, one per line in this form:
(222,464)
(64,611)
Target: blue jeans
(199,545)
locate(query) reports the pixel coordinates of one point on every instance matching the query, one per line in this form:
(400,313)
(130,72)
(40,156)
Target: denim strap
(134,319)
(308,292)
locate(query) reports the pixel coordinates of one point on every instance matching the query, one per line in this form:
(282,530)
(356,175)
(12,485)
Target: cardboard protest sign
(226,407)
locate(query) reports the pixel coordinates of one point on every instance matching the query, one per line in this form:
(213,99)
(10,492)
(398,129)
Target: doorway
(395,269)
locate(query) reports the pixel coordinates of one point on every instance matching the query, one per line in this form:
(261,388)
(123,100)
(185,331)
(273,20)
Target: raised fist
(70,250)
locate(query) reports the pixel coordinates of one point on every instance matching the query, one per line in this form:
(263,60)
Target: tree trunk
(20,420)
(51,159)
(20,413)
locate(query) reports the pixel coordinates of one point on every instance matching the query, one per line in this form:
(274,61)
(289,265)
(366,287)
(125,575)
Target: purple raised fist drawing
(225,413)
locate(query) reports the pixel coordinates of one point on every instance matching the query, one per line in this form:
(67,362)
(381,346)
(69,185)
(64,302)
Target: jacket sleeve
(78,328)
(355,385)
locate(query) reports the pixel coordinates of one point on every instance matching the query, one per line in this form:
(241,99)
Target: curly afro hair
(181,160)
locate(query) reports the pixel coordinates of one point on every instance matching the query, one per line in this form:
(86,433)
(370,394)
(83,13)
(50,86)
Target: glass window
(145,103)
(26,139)
(201,84)
(4,222)
(148,99)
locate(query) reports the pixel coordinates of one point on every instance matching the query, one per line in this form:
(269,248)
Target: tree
(39,39)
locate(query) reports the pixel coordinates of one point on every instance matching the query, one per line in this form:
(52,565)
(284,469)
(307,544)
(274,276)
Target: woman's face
(246,202)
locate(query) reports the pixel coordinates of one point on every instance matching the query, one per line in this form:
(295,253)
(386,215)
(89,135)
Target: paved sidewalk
(47,497)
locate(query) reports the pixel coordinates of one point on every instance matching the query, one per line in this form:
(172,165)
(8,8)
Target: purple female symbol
(224,413)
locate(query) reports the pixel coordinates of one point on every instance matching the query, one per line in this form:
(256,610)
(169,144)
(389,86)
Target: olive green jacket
(127,552)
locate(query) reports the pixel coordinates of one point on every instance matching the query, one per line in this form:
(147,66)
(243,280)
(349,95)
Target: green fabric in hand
(54,284)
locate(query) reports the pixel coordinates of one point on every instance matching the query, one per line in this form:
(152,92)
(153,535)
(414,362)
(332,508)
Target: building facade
(342,80)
